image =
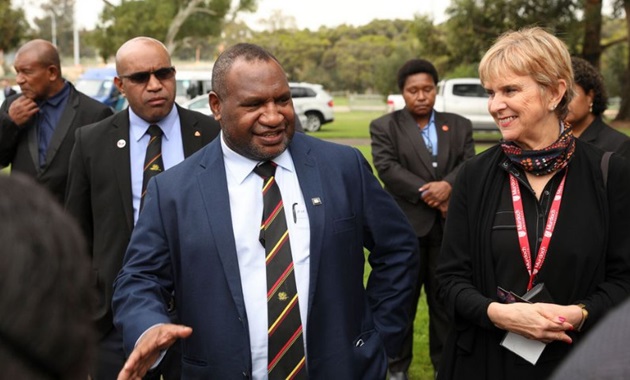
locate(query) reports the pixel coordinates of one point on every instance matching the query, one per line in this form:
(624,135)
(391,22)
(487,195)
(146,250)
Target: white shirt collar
(240,167)
(139,126)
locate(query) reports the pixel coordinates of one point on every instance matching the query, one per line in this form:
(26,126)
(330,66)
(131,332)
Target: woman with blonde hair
(536,246)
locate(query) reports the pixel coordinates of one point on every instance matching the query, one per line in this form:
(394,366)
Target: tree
(624,106)
(62,12)
(591,49)
(175,22)
(13,29)
(474,24)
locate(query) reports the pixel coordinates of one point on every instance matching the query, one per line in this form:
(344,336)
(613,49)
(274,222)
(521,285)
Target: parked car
(191,83)
(395,102)
(200,104)
(316,103)
(463,96)
(98,83)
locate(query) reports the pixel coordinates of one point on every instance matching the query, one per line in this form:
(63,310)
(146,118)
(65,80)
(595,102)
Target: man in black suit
(106,175)
(417,153)
(37,126)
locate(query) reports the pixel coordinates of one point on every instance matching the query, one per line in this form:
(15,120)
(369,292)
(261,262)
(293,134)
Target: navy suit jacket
(183,242)
(99,193)
(19,145)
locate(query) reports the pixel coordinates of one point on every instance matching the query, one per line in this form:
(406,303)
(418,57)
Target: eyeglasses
(143,77)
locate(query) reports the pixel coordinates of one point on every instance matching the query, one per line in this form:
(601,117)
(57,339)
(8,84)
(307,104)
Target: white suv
(316,103)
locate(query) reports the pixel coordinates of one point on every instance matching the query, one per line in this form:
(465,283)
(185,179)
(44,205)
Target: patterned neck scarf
(543,161)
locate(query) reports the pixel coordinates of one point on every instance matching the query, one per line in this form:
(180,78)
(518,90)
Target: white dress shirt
(246,208)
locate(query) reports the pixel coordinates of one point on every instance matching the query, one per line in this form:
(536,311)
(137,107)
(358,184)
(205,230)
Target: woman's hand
(539,321)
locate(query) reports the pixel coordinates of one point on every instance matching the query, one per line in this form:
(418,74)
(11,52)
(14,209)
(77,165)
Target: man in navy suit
(198,236)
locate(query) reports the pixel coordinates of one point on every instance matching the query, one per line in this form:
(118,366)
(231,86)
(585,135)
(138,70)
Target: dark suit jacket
(404,163)
(606,138)
(19,145)
(603,354)
(100,196)
(184,241)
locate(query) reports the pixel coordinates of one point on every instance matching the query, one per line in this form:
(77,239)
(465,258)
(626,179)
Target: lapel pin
(445,128)
(121,143)
(316,201)
(197,134)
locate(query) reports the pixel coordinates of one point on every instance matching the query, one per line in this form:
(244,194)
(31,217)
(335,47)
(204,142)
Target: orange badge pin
(445,128)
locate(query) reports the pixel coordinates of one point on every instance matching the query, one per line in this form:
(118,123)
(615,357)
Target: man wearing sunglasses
(106,177)
(37,126)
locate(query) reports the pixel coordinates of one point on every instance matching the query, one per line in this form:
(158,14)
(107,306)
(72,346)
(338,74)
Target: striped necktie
(286,358)
(152,160)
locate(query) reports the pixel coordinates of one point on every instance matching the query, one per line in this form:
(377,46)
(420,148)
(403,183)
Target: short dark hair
(416,66)
(224,62)
(46,331)
(587,77)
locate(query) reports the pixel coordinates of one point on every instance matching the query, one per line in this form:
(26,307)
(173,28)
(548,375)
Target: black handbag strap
(605,160)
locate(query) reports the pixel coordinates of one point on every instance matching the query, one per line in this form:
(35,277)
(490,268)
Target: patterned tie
(286,358)
(153,159)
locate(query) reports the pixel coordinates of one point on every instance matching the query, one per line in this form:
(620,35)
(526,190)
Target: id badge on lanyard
(521,228)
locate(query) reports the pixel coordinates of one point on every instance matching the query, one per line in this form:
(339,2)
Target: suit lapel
(33,143)
(119,136)
(191,131)
(214,192)
(310,178)
(414,136)
(63,126)
(443,130)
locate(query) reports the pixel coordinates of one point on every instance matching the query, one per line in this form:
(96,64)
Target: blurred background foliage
(362,59)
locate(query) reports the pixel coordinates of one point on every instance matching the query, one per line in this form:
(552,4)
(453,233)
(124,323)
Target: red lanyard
(521,228)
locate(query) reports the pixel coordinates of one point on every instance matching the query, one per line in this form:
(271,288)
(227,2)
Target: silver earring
(590,107)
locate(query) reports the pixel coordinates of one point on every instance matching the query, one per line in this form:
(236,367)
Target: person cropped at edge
(417,153)
(603,354)
(46,331)
(198,236)
(106,176)
(574,226)
(37,126)
(587,108)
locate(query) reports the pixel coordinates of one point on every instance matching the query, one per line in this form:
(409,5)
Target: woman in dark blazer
(532,210)
(587,107)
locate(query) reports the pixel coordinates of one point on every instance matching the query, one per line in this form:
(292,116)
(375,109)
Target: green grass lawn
(348,125)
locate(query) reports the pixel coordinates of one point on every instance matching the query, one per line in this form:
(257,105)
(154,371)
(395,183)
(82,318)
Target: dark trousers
(110,358)
(438,319)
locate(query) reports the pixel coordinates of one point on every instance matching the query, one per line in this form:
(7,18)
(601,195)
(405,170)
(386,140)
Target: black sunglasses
(143,77)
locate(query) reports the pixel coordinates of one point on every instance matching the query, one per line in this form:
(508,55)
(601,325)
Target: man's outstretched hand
(149,348)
